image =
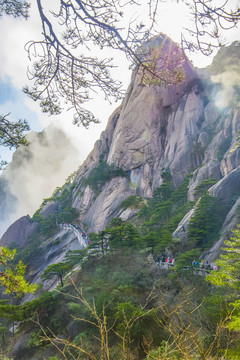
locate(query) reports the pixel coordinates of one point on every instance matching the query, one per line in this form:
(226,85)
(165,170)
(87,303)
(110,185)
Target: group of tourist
(165,259)
(204,265)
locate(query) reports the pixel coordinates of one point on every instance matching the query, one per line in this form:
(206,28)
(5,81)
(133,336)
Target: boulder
(19,232)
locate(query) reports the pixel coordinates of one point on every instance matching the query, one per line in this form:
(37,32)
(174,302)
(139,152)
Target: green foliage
(48,225)
(117,276)
(163,212)
(133,321)
(34,339)
(101,174)
(11,276)
(203,186)
(60,269)
(11,312)
(74,257)
(118,235)
(123,235)
(163,352)
(11,133)
(129,290)
(99,241)
(185,259)
(134,202)
(228,275)
(68,215)
(153,240)
(205,224)
(47,310)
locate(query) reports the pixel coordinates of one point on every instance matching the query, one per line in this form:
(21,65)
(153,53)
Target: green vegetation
(60,269)
(122,297)
(134,202)
(128,309)
(62,212)
(101,174)
(162,213)
(186,258)
(205,224)
(228,276)
(11,275)
(203,186)
(12,132)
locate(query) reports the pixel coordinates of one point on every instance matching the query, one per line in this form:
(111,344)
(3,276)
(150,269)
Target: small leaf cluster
(101,174)
(11,276)
(228,275)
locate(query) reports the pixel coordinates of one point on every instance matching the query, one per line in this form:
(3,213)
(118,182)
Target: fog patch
(34,173)
(230,87)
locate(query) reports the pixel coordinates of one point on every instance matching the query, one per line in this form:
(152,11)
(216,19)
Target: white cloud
(35,172)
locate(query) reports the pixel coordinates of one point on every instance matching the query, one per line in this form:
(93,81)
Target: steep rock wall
(155,129)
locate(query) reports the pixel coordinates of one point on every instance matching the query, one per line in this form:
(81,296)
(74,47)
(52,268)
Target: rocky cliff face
(179,128)
(176,128)
(19,232)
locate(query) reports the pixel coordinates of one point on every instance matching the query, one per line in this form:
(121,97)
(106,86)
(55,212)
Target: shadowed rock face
(19,232)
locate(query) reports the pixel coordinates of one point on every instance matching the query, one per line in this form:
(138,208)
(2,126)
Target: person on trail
(208,266)
(193,263)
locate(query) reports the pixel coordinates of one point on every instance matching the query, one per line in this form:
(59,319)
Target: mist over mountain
(34,173)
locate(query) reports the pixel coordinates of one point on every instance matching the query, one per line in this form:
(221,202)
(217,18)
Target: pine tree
(228,275)
(11,276)
(203,226)
(60,270)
